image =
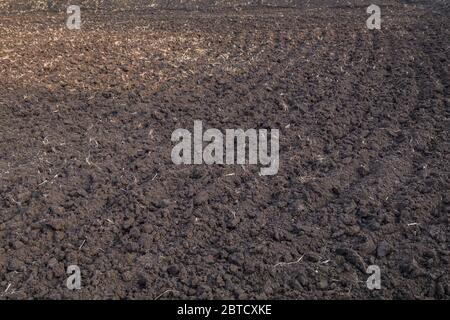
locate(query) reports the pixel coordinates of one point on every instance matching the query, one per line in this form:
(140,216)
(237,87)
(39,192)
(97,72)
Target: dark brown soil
(86,176)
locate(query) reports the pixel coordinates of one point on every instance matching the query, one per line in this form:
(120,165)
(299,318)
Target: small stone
(134,232)
(209,259)
(128,223)
(410,269)
(24,196)
(276,235)
(173,270)
(57,210)
(440,290)
(106,95)
(236,258)
(197,173)
(202,289)
(56,224)
(323,284)
(363,171)
(299,206)
(367,247)
(52,262)
(383,249)
(156,203)
(352,230)
(142,282)
(240,294)
(201,198)
(303,280)
(165,203)
(15,264)
(352,257)
(147,228)
(17,244)
(303,229)
(252,214)
(219,281)
(127,276)
(312,257)
(232,223)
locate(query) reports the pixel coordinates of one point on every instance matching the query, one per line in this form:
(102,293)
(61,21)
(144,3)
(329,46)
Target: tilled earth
(86,176)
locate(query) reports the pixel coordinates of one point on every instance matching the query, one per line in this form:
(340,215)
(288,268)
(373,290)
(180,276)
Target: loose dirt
(86,176)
